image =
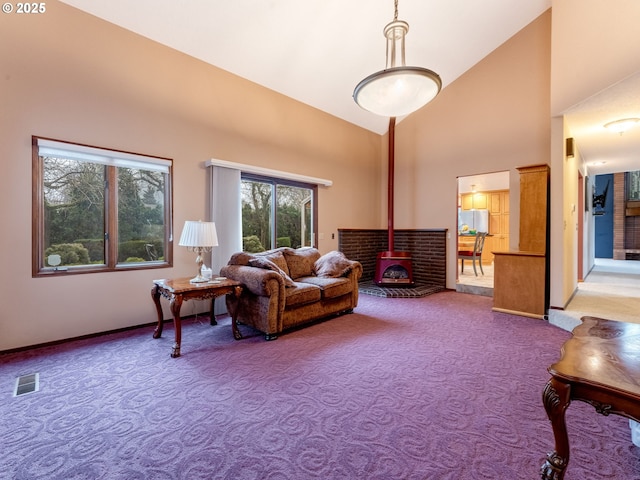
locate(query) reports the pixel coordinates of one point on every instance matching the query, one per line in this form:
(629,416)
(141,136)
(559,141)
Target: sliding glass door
(277,213)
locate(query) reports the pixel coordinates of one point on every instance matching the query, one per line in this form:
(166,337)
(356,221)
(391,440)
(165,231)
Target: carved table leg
(233,311)
(556,399)
(155,294)
(176,303)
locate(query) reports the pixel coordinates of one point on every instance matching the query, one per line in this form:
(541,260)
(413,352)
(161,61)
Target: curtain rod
(267,172)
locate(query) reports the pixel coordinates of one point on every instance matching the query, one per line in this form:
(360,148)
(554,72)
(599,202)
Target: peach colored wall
(495,117)
(67,75)
(596,44)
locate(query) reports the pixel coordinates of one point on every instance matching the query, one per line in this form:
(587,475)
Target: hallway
(611,290)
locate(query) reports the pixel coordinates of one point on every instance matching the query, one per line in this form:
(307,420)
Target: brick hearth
(428,250)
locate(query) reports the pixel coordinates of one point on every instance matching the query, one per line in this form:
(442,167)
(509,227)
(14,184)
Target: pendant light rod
(390,183)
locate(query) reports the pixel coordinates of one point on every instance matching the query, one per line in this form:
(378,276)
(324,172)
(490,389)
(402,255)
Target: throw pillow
(332,264)
(301,260)
(277,258)
(263,262)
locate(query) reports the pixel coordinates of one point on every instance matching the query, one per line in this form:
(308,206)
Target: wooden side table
(600,365)
(181,289)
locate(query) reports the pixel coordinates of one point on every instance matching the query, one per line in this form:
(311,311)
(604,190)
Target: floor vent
(27,384)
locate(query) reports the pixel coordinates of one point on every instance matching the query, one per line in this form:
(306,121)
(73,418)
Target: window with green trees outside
(277,213)
(99,210)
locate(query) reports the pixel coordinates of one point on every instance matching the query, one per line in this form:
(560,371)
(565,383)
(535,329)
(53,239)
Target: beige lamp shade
(199,237)
(198,234)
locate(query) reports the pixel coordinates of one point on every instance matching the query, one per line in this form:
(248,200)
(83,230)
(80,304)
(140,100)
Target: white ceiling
(619,152)
(316,51)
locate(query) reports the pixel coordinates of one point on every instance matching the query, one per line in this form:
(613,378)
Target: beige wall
(493,118)
(70,76)
(596,43)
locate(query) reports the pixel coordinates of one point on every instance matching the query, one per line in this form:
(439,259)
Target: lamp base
(198,279)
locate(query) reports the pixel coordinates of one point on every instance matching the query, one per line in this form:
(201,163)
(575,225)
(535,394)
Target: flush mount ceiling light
(622,125)
(397,90)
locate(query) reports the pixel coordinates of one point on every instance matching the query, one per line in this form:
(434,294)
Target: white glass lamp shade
(198,234)
(397,91)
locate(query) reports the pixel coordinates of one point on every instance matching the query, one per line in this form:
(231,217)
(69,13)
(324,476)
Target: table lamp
(199,237)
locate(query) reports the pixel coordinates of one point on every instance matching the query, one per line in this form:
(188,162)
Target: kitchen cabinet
(474,201)
(487,251)
(499,220)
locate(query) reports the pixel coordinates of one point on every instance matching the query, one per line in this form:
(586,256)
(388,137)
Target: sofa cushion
(332,264)
(276,257)
(302,293)
(331,287)
(301,261)
(263,261)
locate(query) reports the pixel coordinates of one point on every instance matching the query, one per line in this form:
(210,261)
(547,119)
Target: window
(99,210)
(277,213)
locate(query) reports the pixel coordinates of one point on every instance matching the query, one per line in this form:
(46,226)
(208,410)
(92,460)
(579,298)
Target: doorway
(483,207)
(603,216)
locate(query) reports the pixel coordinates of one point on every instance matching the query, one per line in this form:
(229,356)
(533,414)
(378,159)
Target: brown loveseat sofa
(286,287)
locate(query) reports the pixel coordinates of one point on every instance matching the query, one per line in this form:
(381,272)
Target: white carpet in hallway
(611,290)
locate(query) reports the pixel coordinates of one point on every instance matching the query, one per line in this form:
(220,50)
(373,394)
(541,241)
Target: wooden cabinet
(534,202)
(519,283)
(487,251)
(474,201)
(499,221)
(521,278)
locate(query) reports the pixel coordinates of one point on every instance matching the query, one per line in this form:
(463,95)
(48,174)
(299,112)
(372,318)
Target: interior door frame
(581,209)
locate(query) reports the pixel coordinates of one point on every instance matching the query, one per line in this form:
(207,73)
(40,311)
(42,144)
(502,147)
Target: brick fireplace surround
(428,250)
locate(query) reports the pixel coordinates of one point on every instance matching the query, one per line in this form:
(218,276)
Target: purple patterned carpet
(432,388)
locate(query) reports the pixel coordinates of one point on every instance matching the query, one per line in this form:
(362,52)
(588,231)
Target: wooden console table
(181,289)
(600,365)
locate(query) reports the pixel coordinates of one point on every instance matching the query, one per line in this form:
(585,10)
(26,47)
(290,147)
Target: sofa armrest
(259,281)
(356,271)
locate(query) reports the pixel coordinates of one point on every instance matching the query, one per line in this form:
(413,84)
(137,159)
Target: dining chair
(473,255)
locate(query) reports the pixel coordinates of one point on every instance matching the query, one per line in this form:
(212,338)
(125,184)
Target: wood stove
(393,268)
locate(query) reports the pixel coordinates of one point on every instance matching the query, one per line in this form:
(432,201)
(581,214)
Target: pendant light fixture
(397,90)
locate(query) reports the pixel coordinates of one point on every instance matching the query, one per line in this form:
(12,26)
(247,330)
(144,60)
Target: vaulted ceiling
(316,51)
